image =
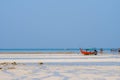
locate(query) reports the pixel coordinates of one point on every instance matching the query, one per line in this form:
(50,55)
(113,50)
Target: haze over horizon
(59,24)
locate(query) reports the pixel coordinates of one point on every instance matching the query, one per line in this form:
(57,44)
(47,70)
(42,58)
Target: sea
(75,50)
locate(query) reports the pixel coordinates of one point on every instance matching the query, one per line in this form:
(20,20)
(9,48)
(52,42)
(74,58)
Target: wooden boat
(86,52)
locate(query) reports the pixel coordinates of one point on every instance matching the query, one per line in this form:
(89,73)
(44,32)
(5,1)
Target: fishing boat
(86,52)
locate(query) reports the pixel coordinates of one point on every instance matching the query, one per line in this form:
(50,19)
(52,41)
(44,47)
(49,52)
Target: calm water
(77,50)
(37,50)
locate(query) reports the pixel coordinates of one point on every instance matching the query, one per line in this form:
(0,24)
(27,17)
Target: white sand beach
(44,67)
(39,57)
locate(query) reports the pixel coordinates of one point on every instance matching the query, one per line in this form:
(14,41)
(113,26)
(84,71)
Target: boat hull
(85,52)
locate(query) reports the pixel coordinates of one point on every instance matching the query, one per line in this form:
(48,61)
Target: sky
(59,24)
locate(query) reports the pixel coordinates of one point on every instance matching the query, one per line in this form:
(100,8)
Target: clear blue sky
(59,23)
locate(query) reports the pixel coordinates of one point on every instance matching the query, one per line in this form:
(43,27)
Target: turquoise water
(77,50)
(39,50)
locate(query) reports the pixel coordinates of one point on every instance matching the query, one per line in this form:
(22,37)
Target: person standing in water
(95,52)
(101,50)
(119,50)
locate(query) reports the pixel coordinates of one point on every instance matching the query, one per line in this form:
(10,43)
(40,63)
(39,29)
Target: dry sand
(20,67)
(59,72)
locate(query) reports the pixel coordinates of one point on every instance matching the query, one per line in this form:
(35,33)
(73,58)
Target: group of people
(95,52)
